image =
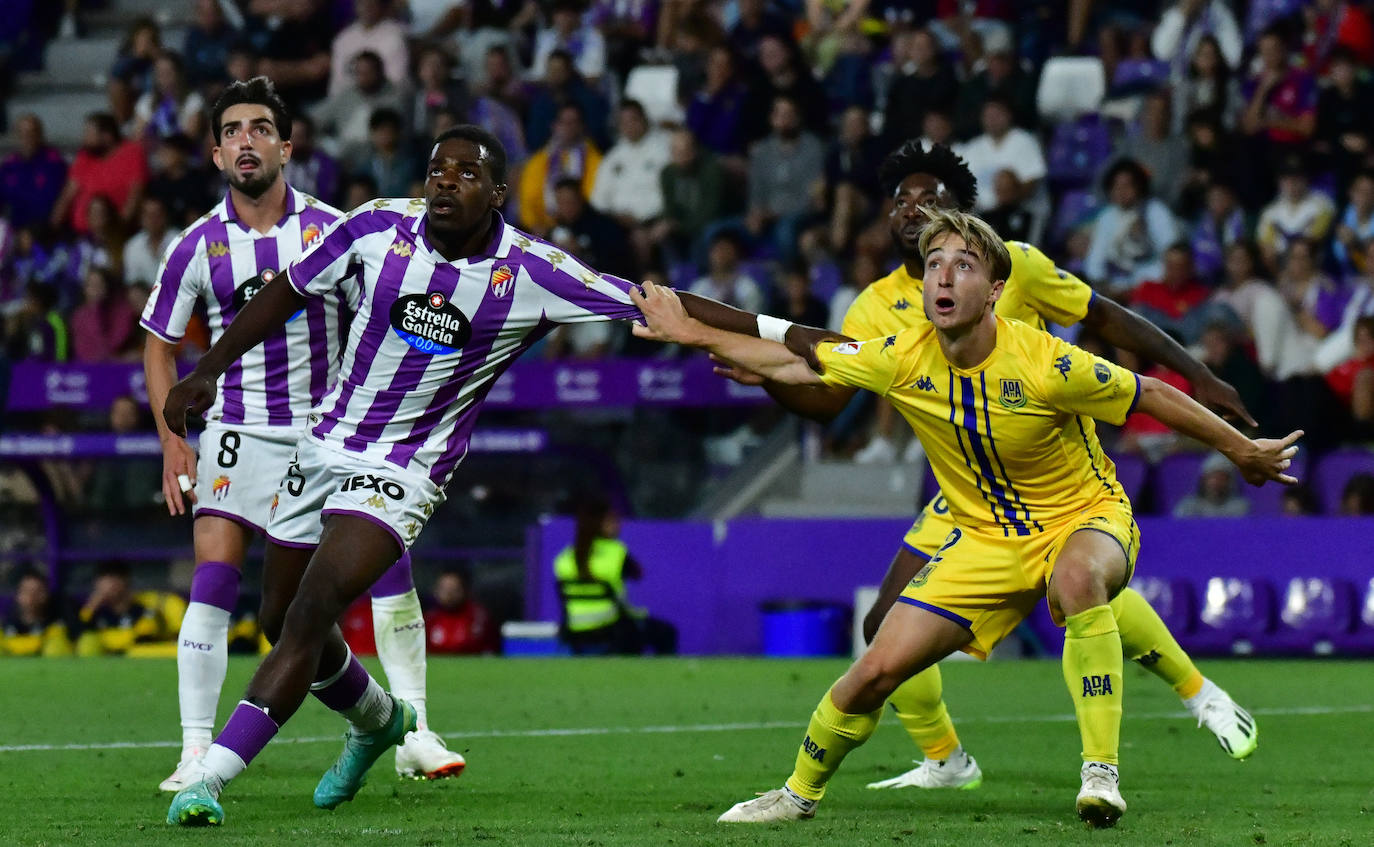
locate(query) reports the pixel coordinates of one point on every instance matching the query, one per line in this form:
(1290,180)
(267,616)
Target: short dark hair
(260,91)
(385,116)
(571,183)
(939,161)
(105,122)
(28,573)
(114,567)
(478,135)
(635,105)
(368,56)
(1131,167)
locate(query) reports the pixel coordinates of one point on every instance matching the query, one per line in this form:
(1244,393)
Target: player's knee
(271,617)
(1077,587)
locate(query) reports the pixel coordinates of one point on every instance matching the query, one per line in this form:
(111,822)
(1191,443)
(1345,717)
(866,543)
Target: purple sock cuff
(216,584)
(347,690)
(396,580)
(247,732)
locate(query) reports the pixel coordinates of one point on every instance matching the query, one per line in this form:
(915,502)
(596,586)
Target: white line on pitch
(1363,708)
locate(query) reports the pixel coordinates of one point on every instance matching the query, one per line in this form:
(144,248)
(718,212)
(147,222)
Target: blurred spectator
(1352,381)
(31,178)
(1142,433)
(1163,154)
(786,179)
(347,115)
(36,257)
(1001,75)
(1186,23)
(39,331)
(567,31)
(851,175)
(456,622)
(1355,230)
(1221,224)
(628,26)
(690,46)
(107,166)
(181,185)
(102,246)
(1011,217)
(501,121)
(755,21)
(1343,135)
(1340,344)
(1357,498)
(596,239)
(1299,501)
(937,128)
(311,169)
(499,80)
(292,39)
(786,74)
(568,155)
(1299,211)
(1209,85)
(131,76)
(1221,353)
(563,87)
(127,486)
(1315,298)
(385,159)
(437,90)
(1172,299)
(1216,495)
(725,280)
(34,626)
(795,302)
(716,114)
(923,81)
(1281,100)
(628,186)
(359,189)
(1131,233)
(1003,146)
(1279,346)
(1330,25)
(1213,159)
(103,324)
(206,47)
(241,64)
(112,620)
(374,31)
(693,188)
(172,106)
(861,271)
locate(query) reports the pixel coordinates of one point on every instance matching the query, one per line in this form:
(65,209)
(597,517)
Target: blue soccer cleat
(195,805)
(361,750)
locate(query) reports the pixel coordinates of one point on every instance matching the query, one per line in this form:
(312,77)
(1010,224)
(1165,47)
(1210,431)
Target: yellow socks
(920,707)
(1092,671)
(829,737)
(1146,640)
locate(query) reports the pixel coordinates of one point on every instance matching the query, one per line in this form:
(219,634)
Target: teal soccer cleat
(361,750)
(195,805)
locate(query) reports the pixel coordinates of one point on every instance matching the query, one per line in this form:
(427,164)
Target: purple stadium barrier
(1313,613)
(1235,611)
(1173,599)
(1361,638)
(1334,470)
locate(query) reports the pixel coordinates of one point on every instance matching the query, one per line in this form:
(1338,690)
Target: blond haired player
(1005,412)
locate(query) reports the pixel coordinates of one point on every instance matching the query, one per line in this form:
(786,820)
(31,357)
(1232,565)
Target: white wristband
(773,329)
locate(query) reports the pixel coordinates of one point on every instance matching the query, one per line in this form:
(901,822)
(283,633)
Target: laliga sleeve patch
(848,348)
(429,323)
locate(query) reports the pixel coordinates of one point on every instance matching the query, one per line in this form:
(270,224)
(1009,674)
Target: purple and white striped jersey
(223,262)
(431,336)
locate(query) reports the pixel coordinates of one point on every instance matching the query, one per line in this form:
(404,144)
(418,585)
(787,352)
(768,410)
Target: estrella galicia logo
(1063,364)
(1013,397)
(1102,372)
(429,323)
(249,288)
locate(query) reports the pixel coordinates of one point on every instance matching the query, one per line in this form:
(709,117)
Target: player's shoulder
(313,203)
(893,291)
(193,238)
(379,215)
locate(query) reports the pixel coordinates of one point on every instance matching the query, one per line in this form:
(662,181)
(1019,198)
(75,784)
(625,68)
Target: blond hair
(982,240)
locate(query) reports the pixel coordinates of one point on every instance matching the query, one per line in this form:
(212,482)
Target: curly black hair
(939,161)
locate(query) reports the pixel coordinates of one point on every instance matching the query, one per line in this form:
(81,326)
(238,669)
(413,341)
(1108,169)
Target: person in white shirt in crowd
(376,30)
(143,252)
(627,184)
(1131,233)
(724,280)
(566,31)
(1003,146)
(1355,230)
(345,116)
(1282,349)
(1185,23)
(1299,211)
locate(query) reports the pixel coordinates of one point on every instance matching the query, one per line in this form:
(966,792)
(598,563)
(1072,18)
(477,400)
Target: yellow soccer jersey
(1036,292)
(1012,441)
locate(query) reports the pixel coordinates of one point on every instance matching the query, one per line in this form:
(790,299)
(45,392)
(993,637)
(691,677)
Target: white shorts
(324,482)
(239,469)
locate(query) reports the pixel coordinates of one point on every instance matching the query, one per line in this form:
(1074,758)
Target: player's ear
(217,158)
(286,149)
(995,293)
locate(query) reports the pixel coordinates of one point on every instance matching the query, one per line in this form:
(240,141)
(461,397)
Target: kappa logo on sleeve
(1064,364)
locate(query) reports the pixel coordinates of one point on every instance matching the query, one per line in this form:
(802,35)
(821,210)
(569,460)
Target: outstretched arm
(1123,328)
(1259,459)
(265,313)
(666,319)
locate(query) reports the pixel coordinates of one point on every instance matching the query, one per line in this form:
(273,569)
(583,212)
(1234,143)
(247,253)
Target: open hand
(195,393)
(1268,458)
(732,371)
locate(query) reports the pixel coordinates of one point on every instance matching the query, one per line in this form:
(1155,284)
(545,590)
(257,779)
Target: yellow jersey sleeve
(868,364)
(1080,383)
(865,316)
(1056,295)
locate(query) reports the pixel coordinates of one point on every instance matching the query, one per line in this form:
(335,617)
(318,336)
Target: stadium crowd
(1222,184)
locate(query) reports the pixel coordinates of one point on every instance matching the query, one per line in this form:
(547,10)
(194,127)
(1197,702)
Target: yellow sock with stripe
(1092,671)
(1148,642)
(920,706)
(829,737)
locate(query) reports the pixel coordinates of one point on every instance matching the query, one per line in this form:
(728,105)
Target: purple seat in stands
(1314,612)
(1078,150)
(1138,76)
(1131,470)
(1175,478)
(1235,613)
(1360,640)
(826,278)
(1334,470)
(1076,207)
(1267,500)
(1173,599)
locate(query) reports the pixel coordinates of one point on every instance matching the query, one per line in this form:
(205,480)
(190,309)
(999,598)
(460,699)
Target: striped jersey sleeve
(181,282)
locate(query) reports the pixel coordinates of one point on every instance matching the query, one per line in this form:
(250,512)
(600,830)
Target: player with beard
(1036,293)
(264,399)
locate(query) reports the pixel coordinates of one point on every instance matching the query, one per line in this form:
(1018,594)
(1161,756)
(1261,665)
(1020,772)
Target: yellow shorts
(931,528)
(990,583)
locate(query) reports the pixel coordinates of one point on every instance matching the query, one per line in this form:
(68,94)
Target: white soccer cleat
(958,771)
(1099,800)
(424,755)
(188,770)
(1235,729)
(776,805)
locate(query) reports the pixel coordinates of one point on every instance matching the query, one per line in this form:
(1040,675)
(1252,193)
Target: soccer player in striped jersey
(222,261)
(451,296)
(1037,293)
(1005,412)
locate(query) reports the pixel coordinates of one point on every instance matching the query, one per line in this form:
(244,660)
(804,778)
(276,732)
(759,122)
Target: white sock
(1208,690)
(221,765)
(372,712)
(202,660)
(399,626)
(801,802)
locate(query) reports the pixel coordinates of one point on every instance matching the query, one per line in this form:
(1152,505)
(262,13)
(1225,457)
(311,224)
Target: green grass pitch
(649,752)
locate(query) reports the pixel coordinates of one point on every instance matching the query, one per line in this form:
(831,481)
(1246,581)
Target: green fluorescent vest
(589,605)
